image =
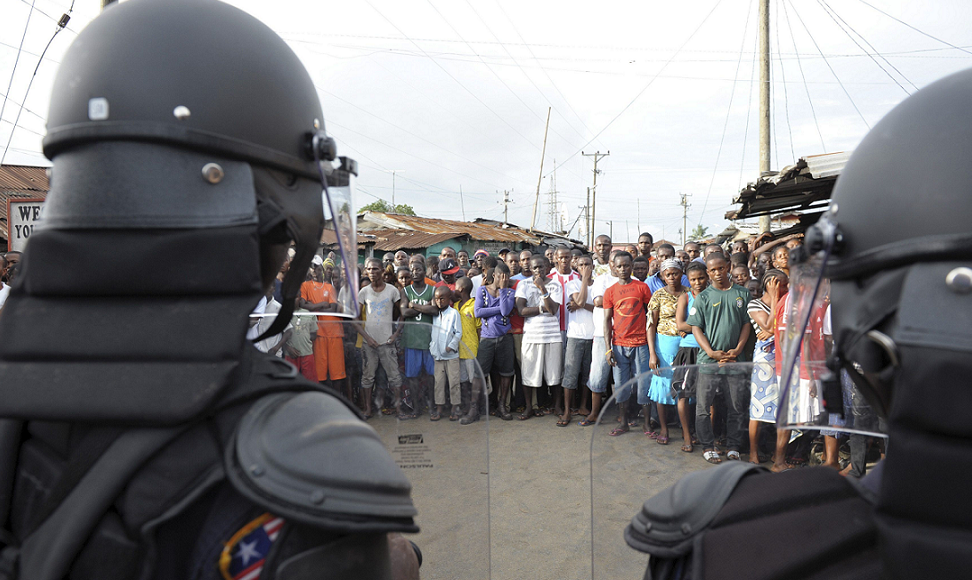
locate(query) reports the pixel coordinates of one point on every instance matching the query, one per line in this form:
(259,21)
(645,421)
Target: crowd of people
(685,339)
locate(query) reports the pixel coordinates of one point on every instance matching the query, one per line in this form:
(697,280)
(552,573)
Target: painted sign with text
(22,216)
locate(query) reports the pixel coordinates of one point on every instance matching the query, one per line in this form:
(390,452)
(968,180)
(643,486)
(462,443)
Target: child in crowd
(417,311)
(740,276)
(494,305)
(625,334)
(469,347)
(765,396)
(299,348)
(640,268)
(720,325)
(600,367)
(446,336)
(319,296)
(380,303)
(580,335)
(685,377)
(538,301)
(663,343)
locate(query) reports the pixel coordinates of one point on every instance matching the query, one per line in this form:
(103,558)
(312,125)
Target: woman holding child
(663,343)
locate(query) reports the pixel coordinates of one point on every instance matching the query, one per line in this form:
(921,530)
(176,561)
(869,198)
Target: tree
(385,207)
(700,232)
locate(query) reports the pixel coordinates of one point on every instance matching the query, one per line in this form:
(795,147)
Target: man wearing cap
(448,268)
(318,296)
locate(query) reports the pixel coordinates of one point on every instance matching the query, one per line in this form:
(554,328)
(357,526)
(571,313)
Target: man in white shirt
(537,301)
(600,368)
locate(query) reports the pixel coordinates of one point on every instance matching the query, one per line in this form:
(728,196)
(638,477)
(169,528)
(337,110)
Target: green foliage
(699,233)
(383,206)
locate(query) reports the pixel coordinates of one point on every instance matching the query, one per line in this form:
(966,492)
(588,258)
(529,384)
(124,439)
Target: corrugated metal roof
(20,182)
(373,220)
(392,240)
(23,177)
(807,184)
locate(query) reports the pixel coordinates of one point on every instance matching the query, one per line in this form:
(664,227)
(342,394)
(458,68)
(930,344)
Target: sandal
(651,434)
(435,416)
(733,455)
(662,440)
(454,415)
(618,431)
(526,414)
(586,422)
(407,416)
(712,457)
(563,422)
(688,448)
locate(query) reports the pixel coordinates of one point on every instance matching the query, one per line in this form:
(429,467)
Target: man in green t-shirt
(417,334)
(720,324)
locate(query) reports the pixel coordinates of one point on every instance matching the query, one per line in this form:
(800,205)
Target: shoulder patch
(739,302)
(245,552)
(692,311)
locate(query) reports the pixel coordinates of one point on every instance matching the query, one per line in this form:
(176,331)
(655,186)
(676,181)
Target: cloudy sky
(454,94)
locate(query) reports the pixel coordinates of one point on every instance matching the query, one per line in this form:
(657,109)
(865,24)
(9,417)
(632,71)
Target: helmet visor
(338,198)
(813,396)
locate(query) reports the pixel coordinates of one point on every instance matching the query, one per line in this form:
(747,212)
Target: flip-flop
(662,440)
(586,423)
(618,431)
(435,416)
(651,434)
(688,448)
(563,423)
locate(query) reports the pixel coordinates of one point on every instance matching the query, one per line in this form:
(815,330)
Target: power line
(645,88)
(786,106)
(17,60)
(786,16)
(827,9)
(544,71)
(518,65)
(732,94)
(65,18)
(450,75)
(946,43)
(832,71)
(749,110)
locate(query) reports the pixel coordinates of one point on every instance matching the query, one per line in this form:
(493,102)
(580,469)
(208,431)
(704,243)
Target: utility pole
(553,213)
(543,152)
(587,221)
(685,205)
(597,157)
(393,172)
(611,229)
(764,100)
(506,202)
(462,204)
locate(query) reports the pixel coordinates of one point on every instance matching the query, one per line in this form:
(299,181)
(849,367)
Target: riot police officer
(141,435)
(894,248)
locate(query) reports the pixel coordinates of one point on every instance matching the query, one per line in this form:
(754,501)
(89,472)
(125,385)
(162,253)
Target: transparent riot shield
(651,432)
(442,448)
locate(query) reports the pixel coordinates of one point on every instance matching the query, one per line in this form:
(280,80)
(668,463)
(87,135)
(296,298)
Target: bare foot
(583,412)
(846,471)
(777,468)
(834,465)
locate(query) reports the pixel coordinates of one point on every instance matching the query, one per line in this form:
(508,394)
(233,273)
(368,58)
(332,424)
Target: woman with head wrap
(663,342)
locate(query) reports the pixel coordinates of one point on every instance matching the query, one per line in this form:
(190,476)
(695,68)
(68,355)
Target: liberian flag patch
(244,554)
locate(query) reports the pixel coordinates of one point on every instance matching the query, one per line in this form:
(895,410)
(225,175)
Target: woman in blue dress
(663,343)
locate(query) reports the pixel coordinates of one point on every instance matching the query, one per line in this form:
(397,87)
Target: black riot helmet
(892,257)
(204,77)
(188,150)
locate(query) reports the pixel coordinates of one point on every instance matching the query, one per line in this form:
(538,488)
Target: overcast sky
(455,94)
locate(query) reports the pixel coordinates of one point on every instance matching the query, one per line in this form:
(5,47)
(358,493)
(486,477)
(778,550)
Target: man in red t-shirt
(625,334)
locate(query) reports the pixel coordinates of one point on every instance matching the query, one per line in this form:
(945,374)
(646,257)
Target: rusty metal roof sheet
(372,220)
(805,185)
(20,182)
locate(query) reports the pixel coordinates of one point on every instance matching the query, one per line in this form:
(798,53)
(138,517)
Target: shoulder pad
(669,521)
(309,458)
